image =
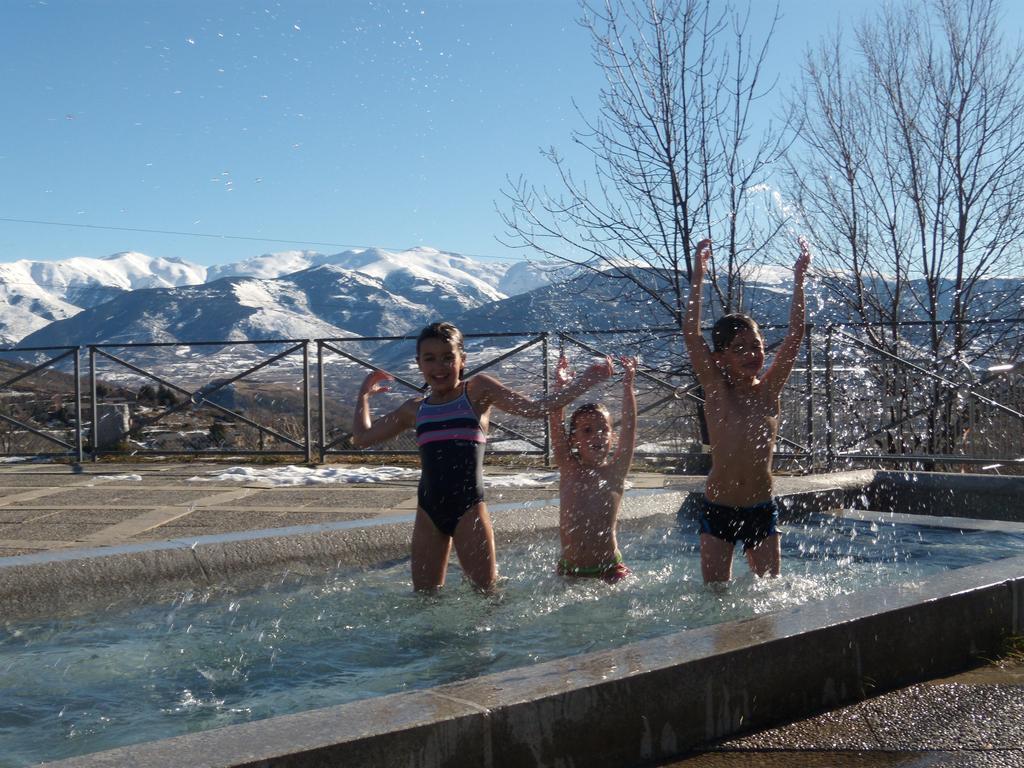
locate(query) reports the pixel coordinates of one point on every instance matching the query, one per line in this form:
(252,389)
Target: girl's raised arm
(367,431)
(488,391)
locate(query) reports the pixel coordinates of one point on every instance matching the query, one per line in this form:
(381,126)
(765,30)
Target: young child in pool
(451,424)
(742,408)
(592,479)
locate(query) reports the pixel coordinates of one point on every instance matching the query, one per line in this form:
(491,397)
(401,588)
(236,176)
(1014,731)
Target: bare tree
(910,175)
(672,154)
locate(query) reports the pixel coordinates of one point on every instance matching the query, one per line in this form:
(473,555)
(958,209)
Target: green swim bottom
(613,571)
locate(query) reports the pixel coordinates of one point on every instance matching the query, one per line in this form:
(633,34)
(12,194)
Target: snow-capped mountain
(320,302)
(493,279)
(230,309)
(34,294)
(363,292)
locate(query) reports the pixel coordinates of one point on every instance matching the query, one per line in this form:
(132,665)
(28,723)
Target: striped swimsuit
(451,444)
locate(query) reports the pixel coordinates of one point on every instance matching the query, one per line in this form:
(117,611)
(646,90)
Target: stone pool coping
(646,701)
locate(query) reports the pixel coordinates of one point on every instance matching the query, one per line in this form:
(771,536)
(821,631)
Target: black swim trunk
(751,525)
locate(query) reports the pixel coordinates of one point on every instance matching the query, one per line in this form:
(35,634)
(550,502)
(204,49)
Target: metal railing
(828,420)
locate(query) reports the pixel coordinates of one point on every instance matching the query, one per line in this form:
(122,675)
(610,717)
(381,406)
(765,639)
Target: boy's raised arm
(627,427)
(700,355)
(786,355)
(559,439)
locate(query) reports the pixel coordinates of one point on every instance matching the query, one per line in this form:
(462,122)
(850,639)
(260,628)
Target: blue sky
(344,123)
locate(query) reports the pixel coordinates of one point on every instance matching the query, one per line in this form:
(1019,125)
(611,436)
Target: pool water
(202,661)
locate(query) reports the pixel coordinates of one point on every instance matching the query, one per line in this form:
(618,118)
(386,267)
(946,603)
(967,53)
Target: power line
(183,234)
(213,235)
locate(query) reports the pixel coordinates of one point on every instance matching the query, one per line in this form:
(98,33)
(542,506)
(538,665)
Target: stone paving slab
(83,517)
(135,495)
(972,719)
(21,515)
(206,522)
(921,717)
(803,759)
(317,496)
(43,516)
(70,533)
(10,481)
(13,549)
(29,497)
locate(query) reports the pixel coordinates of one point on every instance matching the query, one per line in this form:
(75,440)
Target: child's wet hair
(444,331)
(449,334)
(583,410)
(727,326)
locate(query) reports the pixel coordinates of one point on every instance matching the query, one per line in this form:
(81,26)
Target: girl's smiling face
(441,363)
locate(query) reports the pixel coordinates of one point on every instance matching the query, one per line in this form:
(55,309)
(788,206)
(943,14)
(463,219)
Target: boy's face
(440,362)
(743,358)
(592,438)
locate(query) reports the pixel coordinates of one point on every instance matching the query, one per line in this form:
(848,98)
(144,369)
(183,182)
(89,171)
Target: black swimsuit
(452,444)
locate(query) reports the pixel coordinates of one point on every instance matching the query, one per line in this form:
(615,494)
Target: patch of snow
(659,448)
(522,480)
(520,446)
(294,475)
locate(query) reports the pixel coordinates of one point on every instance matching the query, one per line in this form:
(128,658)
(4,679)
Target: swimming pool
(206,660)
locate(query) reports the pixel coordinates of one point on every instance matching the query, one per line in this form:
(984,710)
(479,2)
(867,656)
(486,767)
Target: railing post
(307,424)
(93,404)
(80,455)
(547,422)
(830,458)
(321,399)
(810,395)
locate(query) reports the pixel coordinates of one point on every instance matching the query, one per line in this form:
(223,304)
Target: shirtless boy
(592,479)
(742,408)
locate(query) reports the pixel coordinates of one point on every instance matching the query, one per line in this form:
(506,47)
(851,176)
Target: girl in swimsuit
(592,480)
(451,430)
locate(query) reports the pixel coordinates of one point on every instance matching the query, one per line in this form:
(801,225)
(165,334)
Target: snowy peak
(36,293)
(127,271)
(482,278)
(524,276)
(323,301)
(367,291)
(135,270)
(267,266)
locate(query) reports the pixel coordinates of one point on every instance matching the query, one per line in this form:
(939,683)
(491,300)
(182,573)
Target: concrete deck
(973,719)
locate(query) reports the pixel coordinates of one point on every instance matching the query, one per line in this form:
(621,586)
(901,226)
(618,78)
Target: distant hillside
(321,302)
(35,294)
(371,292)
